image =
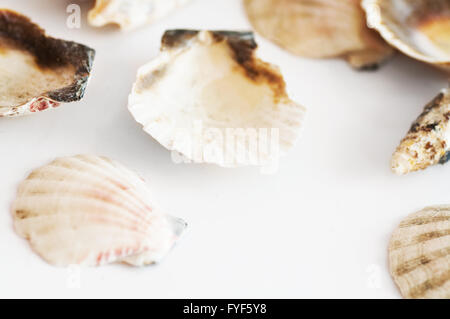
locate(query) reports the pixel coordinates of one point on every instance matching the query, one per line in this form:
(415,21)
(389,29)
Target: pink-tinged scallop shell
(38,72)
(89,210)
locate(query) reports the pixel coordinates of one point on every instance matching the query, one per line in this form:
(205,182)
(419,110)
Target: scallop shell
(38,72)
(89,210)
(428,140)
(131,14)
(418,28)
(206,84)
(419,254)
(319,29)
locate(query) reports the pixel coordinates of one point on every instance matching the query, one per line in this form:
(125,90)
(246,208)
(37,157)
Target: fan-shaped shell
(89,210)
(209,85)
(419,254)
(38,72)
(418,28)
(319,29)
(130,14)
(428,140)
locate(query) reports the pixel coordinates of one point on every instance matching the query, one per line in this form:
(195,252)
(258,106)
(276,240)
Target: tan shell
(319,29)
(38,72)
(418,28)
(205,84)
(131,14)
(90,211)
(428,140)
(419,254)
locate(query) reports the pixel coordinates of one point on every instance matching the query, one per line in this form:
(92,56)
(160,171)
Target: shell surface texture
(419,254)
(38,72)
(131,14)
(207,86)
(88,210)
(418,28)
(320,29)
(428,140)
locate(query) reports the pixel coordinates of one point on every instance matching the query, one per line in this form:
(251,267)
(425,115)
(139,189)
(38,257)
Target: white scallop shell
(319,29)
(207,92)
(130,14)
(419,254)
(89,210)
(428,140)
(418,28)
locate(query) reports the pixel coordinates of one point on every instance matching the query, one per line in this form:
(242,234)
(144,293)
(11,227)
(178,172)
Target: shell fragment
(419,254)
(90,211)
(428,140)
(319,29)
(130,14)
(38,72)
(207,85)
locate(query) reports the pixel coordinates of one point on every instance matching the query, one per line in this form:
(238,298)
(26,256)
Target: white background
(320,227)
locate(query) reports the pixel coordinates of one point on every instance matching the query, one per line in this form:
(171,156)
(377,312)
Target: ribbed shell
(319,29)
(89,210)
(419,254)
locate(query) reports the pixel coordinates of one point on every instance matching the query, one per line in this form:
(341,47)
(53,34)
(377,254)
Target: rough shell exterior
(419,254)
(428,140)
(90,211)
(319,29)
(212,80)
(418,28)
(131,14)
(47,71)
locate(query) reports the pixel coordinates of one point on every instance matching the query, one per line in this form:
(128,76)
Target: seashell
(418,28)
(131,14)
(206,84)
(428,140)
(90,211)
(419,254)
(38,72)
(319,29)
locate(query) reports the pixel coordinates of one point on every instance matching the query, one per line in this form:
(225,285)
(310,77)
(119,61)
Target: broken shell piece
(319,29)
(207,88)
(130,14)
(89,210)
(38,72)
(418,28)
(419,254)
(428,140)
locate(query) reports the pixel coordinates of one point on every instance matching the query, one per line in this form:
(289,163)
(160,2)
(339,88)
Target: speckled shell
(131,14)
(428,140)
(215,79)
(38,72)
(319,29)
(90,211)
(419,254)
(418,28)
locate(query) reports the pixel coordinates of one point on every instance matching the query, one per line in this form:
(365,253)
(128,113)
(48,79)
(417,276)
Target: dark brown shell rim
(21,33)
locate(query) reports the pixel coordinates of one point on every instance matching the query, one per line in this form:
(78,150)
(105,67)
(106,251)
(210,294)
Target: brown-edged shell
(319,29)
(419,254)
(428,140)
(37,71)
